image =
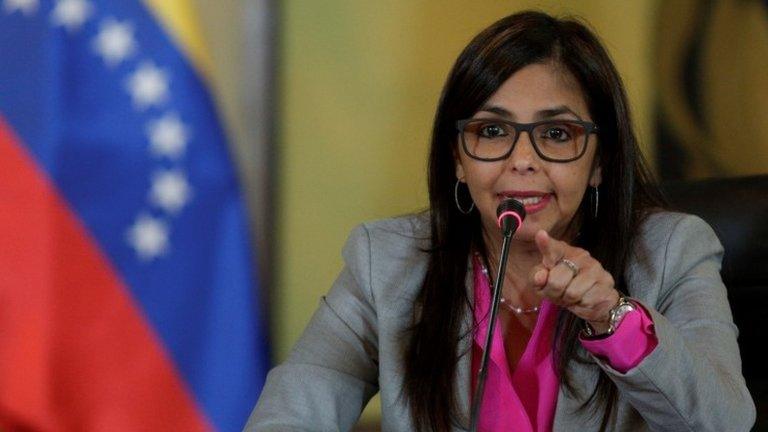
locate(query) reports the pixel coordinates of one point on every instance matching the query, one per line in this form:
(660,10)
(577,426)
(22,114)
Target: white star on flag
(149,237)
(27,7)
(168,136)
(170,190)
(114,42)
(148,86)
(71,14)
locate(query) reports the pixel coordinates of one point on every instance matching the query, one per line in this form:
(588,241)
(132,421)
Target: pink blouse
(525,399)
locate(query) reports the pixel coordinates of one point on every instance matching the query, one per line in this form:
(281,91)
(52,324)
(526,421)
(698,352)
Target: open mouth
(532,201)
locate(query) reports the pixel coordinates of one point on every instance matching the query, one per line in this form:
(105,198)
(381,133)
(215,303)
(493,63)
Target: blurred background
(326,109)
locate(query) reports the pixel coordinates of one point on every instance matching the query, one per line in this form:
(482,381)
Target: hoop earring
(456,199)
(595,201)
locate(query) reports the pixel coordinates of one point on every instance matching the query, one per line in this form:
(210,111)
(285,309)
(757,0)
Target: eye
(558,133)
(492,131)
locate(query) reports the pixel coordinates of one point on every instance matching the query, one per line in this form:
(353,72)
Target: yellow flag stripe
(180,19)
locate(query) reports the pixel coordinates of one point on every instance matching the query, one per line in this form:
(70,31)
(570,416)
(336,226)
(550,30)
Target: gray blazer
(352,347)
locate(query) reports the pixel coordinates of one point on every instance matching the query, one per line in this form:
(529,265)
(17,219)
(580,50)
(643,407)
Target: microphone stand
(477,400)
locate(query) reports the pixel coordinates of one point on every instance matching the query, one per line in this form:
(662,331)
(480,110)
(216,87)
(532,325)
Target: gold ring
(571,265)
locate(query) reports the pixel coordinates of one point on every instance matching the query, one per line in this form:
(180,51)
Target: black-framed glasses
(553,140)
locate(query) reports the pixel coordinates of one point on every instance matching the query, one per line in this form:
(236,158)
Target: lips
(533,201)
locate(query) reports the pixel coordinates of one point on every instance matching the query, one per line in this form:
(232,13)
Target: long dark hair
(627,195)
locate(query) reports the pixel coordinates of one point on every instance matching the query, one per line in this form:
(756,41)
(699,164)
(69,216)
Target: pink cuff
(629,345)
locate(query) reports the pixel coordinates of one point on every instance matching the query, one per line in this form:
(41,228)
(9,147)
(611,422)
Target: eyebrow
(541,114)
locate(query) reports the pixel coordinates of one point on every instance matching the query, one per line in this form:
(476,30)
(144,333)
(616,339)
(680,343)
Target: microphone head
(510,215)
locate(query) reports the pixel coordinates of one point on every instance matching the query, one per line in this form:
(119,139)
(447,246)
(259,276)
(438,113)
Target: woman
(615,315)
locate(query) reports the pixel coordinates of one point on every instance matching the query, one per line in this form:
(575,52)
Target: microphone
(509,216)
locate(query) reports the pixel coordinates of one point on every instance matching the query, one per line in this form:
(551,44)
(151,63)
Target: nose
(523,158)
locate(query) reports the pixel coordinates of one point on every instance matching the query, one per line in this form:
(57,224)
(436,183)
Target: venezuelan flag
(128,299)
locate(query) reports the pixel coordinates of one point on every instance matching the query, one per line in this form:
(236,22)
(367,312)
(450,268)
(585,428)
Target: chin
(526,233)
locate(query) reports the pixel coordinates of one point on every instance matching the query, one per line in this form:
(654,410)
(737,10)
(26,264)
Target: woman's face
(553,191)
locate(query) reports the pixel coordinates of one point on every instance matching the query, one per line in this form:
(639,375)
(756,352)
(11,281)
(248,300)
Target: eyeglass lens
(557,140)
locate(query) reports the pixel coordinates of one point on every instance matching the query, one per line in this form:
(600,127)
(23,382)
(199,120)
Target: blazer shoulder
(391,236)
(667,244)
(390,256)
(662,227)
(414,226)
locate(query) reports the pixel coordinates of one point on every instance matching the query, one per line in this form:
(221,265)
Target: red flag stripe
(75,351)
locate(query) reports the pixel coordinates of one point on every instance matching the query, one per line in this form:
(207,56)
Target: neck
(522,257)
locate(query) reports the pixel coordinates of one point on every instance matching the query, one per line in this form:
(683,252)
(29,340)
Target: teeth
(529,200)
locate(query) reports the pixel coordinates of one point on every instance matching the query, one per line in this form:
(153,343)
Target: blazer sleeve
(692,380)
(332,371)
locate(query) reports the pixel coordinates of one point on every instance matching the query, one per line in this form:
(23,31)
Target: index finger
(552,250)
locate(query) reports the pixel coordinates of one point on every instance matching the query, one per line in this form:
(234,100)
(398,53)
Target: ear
(460,171)
(459,167)
(597,176)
